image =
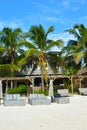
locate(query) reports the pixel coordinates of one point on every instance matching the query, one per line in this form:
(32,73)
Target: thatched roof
(82,71)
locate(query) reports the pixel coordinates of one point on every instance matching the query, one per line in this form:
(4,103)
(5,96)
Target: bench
(83,91)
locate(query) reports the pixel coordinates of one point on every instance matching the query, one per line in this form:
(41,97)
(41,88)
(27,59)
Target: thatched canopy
(82,71)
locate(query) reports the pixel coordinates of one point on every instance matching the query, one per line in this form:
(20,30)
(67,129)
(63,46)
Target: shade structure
(51,88)
(1,93)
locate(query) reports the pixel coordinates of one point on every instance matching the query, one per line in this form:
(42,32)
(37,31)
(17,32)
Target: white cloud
(1,25)
(9,24)
(51,18)
(83,18)
(14,23)
(71,5)
(64,36)
(80,20)
(50,12)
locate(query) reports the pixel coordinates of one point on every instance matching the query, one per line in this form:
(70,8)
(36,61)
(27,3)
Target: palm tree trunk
(42,79)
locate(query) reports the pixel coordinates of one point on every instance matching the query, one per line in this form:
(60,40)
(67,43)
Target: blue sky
(62,14)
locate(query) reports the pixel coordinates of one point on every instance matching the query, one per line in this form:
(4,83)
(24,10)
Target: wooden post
(33,85)
(42,79)
(80,83)
(51,93)
(11,84)
(71,84)
(6,86)
(15,83)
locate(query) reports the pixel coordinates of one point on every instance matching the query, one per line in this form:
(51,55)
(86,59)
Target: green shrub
(21,89)
(40,92)
(12,91)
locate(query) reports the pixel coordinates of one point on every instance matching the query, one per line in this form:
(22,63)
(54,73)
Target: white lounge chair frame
(63,92)
(39,99)
(13,100)
(83,91)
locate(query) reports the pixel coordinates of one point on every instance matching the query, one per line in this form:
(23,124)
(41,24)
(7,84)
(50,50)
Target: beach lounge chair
(63,92)
(83,91)
(13,100)
(39,99)
(62,100)
(62,97)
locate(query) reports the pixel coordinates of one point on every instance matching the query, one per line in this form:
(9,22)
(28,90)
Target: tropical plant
(78,46)
(68,64)
(9,41)
(21,89)
(38,49)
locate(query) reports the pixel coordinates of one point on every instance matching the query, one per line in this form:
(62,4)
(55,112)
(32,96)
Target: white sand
(72,116)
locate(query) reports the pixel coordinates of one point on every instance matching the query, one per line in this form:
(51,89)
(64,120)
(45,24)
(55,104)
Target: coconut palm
(38,48)
(9,40)
(78,46)
(2,49)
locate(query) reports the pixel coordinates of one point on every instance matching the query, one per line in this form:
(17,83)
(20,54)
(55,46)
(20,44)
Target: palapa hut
(82,76)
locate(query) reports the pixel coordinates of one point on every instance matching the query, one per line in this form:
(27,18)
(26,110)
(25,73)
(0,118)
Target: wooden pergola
(15,79)
(81,74)
(30,79)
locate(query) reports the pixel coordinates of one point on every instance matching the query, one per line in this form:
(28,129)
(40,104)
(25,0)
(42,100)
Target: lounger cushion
(38,99)
(63,92)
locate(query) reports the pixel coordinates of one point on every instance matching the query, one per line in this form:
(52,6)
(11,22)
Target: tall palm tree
(38,47)
(9,41)
(78,46)
(2,49)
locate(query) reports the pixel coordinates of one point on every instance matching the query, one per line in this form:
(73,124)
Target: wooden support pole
(33,85)
(6,86)
(71,84)
(15,83)
(11,84)
(80,83)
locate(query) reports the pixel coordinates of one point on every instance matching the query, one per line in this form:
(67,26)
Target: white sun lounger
(13,100)
(83,91)
(39,99)
(64,92)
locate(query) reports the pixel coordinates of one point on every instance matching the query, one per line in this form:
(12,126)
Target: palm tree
(9,40)
(2,49)
(38,48)
(78,46)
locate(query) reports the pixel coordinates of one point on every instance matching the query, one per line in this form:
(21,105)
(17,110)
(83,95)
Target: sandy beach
(72,116)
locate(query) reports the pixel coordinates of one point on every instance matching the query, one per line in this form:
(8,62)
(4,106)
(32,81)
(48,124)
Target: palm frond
(72,42)
(23,62)
(31,52)
(73,32)
(78,57)
(26,44)
(57,43)
(50,29)
(7,70)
